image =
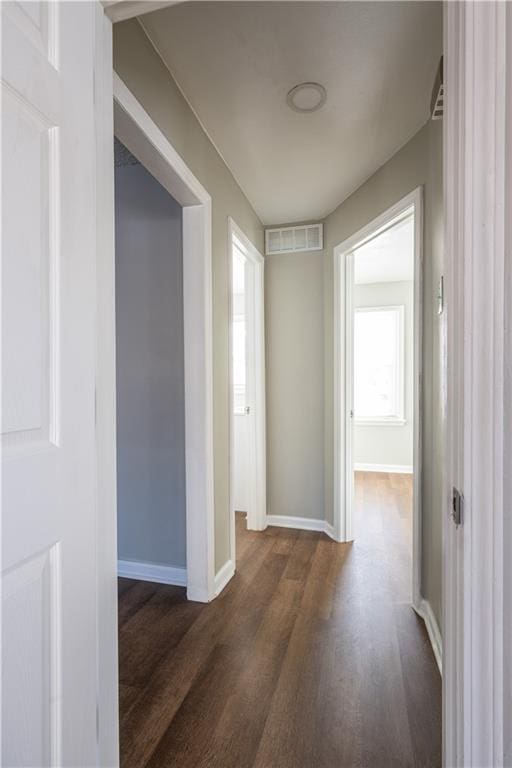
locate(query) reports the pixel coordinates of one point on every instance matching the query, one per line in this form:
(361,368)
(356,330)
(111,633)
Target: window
(379,365)
(239,330)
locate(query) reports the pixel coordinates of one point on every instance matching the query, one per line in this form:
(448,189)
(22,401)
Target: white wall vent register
(308,237)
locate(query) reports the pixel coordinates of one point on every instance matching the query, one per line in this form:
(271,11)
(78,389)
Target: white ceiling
(389,257)
(236,61)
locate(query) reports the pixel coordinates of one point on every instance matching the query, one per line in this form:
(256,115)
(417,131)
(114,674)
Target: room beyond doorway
(386,310)
(150,412)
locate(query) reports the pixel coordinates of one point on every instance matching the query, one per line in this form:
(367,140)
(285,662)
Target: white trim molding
(106,479)
(224,576)
(140,134)
(390,422)
(424,610)
(342,352)
(121,10)
(302,524)
(477,620)
(155,572)
(393,469)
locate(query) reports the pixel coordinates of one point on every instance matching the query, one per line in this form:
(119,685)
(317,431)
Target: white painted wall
(150,371)
(385,445)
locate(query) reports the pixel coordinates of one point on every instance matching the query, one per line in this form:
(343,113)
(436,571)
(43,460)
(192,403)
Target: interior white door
(244,382)
(477,576)
(48,380)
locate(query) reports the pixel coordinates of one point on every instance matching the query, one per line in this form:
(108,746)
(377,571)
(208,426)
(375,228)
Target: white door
(477,576)
(243,381)
(48,369)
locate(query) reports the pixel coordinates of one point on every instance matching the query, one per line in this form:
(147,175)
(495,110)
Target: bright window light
(378,364)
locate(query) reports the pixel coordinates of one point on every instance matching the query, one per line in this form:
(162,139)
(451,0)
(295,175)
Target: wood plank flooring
(311,658)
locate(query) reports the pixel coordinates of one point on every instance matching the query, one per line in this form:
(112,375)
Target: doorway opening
(377,380)
(247,384)
(191,204)
(150,396)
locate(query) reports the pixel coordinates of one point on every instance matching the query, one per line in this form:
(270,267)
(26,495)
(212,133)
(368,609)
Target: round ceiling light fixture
(306,97)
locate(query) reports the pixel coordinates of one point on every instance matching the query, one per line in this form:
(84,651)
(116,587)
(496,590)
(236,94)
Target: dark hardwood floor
(311,658)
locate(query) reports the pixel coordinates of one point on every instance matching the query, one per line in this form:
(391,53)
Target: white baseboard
(329,530)
(301,524)
(427,614)
(399,469)
(197,594)
(160,574)
(223,576)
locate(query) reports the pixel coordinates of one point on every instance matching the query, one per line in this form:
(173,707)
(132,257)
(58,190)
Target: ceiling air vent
(437,98)
(308,237)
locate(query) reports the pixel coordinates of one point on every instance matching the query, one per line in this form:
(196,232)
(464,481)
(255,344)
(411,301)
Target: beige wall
(136,62)
(294,319)
(418,163)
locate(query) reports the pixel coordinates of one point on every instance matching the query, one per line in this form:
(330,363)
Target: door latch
(457,506)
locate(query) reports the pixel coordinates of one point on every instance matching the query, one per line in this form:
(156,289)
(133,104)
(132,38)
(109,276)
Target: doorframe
(106,477)
(140,134)
(477,579)
(343,362)
(256,521)
(143,138)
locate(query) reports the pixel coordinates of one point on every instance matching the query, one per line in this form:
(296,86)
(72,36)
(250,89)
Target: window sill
(380,422)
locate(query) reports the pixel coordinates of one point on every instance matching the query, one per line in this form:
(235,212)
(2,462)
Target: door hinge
(457,506)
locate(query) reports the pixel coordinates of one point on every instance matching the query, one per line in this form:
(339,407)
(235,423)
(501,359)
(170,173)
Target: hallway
(311,658)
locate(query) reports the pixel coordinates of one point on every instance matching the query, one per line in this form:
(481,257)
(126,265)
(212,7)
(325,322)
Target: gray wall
(294,370)
(389,444)
(150,371)
(140,67)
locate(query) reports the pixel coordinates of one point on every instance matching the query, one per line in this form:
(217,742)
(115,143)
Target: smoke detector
(306,97)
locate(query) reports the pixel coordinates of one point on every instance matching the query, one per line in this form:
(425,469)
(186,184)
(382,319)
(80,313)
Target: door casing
(477,578)
(144,139)
(343,395)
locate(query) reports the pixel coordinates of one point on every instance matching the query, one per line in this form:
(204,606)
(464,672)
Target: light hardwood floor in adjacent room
(312,657)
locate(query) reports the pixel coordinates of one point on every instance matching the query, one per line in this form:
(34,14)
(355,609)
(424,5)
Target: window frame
(398,419)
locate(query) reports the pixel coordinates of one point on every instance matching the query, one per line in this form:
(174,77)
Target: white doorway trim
(256,516)
(343,363)
(477,578)
(134,127)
